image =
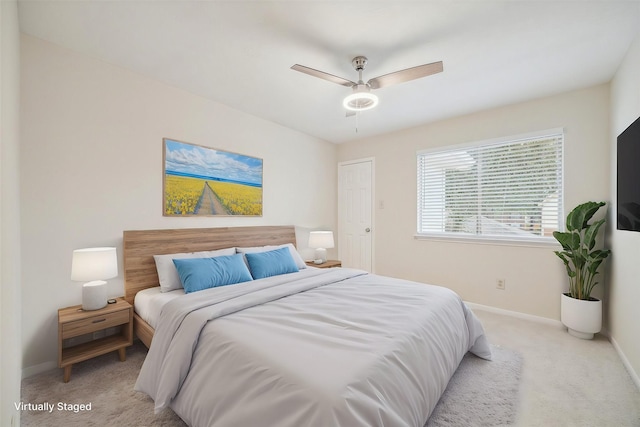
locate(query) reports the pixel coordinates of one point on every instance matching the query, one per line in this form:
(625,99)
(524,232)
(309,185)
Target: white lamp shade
(94,264)
(321,239)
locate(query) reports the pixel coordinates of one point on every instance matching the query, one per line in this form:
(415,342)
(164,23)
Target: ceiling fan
(361,98)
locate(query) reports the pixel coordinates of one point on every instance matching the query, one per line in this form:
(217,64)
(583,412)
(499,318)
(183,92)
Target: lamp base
(321,254)
(94,295)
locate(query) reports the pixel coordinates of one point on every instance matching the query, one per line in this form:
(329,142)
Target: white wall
(624,271)
(10,309)
(534,277)
(91,167)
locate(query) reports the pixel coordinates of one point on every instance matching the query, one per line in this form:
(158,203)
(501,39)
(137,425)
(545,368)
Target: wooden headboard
(139,247)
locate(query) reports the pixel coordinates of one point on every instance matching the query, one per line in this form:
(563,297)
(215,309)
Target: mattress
(149,302)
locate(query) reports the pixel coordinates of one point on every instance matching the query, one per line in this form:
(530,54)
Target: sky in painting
(208,162)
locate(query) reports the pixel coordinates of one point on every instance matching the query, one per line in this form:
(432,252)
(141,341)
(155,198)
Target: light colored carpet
(566,381)
(481,393)
(105,382)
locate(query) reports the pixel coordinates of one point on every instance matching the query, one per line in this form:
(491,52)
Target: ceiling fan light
(360,101)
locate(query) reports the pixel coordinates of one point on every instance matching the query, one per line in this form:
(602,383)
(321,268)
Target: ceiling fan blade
(405,75)
(350,113)
(323,75)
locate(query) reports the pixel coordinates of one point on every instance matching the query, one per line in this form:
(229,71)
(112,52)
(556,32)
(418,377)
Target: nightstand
(73,322)
(330,263)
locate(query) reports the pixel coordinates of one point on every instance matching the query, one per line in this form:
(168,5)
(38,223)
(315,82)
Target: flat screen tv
(629,178)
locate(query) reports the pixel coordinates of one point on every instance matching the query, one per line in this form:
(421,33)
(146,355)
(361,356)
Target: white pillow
(294,253)
(167,273)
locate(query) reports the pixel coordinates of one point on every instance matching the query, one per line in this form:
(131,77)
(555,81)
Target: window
(502,189)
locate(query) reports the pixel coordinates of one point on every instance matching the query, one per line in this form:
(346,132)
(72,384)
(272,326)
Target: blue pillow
(197,274)
(271,263)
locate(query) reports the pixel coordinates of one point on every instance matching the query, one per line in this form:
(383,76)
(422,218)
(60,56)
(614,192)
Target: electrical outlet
(500,284)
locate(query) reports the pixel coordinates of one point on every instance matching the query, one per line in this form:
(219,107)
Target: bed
(314,347)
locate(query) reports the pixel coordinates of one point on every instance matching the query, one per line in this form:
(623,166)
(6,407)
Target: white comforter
(323,347)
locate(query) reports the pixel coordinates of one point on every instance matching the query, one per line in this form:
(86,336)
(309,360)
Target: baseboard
(634,376)
(38,369)
(525,316)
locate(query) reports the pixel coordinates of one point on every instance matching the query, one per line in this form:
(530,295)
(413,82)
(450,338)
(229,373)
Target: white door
(355,214)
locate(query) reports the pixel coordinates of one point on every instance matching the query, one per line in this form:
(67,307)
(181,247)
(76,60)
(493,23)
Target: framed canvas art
(204,181)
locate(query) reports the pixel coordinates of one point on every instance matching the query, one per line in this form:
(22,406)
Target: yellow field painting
(238,199)
(181,194)
(196,196)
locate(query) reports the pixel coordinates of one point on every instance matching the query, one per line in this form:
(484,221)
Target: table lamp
(321,240)
(94,265)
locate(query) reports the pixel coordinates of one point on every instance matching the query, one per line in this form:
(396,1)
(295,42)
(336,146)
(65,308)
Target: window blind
(509,188)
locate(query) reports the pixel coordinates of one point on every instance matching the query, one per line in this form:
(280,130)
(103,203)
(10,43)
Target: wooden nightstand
(75,322)
(330,263)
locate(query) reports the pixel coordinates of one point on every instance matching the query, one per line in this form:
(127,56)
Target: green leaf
(579,217)
(566,261)
(591,233)
(569,241)
(598,256)
(593,267)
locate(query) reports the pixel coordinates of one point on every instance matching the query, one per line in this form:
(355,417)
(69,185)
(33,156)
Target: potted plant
(579,312)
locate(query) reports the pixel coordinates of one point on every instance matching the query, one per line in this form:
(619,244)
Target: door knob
(368,230)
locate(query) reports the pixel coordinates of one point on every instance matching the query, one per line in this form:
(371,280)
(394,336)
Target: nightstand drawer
(94,323)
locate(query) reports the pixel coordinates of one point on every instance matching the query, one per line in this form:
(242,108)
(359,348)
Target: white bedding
(323,347)
(148,303)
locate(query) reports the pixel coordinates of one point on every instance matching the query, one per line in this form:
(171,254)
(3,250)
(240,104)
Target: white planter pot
(582,318)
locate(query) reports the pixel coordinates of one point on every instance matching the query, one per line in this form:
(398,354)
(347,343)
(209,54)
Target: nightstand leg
(67,373)
(122,352)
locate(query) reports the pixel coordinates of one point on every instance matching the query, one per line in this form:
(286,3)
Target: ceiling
(239,53)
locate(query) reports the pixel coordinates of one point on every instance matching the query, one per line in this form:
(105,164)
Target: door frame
(372,160)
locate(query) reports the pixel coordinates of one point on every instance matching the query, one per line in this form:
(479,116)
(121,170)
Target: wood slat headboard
(139,247)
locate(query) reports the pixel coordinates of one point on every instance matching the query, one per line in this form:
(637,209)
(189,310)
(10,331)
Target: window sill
(542,242)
